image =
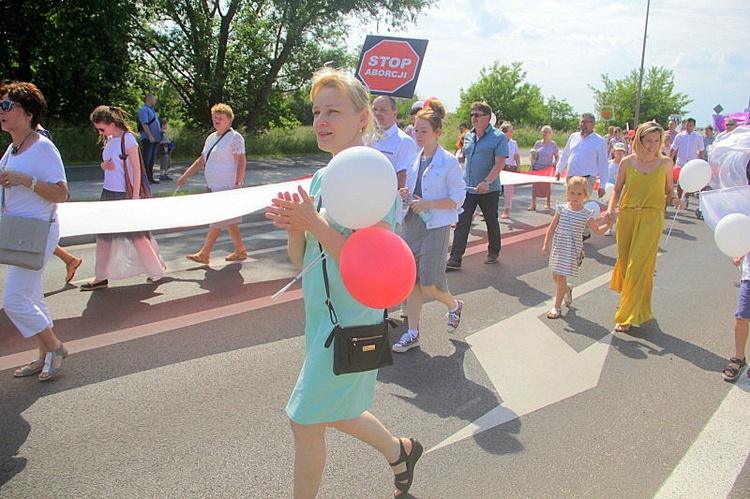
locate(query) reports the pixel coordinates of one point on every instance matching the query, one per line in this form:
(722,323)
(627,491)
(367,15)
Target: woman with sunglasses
(140,248)
(33,181)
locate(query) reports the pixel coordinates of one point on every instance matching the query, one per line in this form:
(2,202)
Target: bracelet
(33,183)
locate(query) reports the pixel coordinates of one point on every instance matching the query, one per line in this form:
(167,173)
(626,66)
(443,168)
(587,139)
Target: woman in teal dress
(320,399)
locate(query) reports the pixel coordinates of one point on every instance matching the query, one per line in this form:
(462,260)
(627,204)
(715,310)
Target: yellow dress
(639,227)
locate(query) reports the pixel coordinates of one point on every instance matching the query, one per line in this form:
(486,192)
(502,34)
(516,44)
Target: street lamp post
(643,56)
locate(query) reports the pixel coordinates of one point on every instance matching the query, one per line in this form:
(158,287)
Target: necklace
(14,149)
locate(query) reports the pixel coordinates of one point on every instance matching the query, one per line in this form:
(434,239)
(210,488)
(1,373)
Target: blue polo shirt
(480,156)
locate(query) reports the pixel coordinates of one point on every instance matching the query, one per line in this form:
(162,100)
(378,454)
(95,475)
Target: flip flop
(71,268)
(622,328)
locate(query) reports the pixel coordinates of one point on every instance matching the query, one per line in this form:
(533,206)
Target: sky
(566,45)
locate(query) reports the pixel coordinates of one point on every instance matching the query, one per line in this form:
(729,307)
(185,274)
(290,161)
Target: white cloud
(565,45)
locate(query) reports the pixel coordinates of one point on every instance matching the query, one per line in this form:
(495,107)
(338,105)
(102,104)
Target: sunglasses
(6,105)
(477,115)
(730,125)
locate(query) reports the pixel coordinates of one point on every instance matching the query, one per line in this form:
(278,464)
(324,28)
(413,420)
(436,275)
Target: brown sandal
(71,268)
(236,255)
(196,257)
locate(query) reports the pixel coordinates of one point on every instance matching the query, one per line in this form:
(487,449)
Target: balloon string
(671,226)
(319,258)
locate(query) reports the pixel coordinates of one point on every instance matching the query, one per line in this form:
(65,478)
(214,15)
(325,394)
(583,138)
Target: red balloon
(377,267)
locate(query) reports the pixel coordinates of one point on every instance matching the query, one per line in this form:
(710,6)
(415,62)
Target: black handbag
(357,348)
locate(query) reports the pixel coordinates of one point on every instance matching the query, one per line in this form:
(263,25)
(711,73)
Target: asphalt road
(179,388)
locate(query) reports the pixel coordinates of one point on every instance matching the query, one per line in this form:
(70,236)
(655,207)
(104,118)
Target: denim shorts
(743,302)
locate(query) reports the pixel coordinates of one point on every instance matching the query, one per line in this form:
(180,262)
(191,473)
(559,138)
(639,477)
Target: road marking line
(152,328)
(711,465)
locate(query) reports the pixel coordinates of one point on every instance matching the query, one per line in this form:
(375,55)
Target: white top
(443,178)
(221,167)
(687,146)
(398,147)
(114,180)
(746,268)
(512,151)
(585,156)
(40,160)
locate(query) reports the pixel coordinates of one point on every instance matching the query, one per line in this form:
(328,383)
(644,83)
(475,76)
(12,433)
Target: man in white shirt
(687,145)
(396,145)
(585,155)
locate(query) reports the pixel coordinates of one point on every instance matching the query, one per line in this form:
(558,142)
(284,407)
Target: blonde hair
(546,128)
(348,85)
(221,108)
(640,133)
(578,182)
(433,113)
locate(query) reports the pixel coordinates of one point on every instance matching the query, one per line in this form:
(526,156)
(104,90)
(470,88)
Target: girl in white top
(121,255)
(435,190)
(225,162)
(32,179)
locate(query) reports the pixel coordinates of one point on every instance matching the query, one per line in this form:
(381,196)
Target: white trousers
(23,296)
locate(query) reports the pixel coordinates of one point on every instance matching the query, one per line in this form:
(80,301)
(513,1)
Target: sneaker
(609,232)
(453,265)
(408,341)
(454,318)
(491,259)
(587,236)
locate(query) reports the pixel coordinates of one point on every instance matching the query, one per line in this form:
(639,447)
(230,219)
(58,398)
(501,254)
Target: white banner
(132,215)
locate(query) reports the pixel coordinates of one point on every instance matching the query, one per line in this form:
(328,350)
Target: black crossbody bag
(357,348)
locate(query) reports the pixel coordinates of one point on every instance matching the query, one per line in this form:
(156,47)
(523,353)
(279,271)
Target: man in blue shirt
(150,135)
(485,150)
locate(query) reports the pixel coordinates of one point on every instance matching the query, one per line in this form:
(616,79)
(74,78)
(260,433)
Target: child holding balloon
(435,191)
(566,232)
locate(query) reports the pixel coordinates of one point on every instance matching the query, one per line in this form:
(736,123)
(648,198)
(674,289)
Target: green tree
(561,115)
(76,51)
(511,97)
(251,53)
(658,96)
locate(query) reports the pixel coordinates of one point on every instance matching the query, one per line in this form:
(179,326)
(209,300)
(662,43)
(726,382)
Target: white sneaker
(408,341)
(609,232)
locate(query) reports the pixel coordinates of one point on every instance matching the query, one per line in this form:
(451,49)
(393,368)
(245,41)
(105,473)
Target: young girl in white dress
(566,232)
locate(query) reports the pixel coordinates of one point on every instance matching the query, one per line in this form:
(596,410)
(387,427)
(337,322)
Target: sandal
(622,328)
(730,372)
(554,313)
(403,481)
(50,370)
(71,268)
(30,369)
(236,255)
(569,296)
(198,258)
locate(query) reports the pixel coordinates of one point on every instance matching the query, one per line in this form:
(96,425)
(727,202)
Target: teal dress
(319,395)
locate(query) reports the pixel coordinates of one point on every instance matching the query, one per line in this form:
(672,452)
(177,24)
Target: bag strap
(208,154)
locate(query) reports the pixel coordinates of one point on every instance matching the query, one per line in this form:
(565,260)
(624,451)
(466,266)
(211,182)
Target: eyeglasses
(6,105)
(477,115)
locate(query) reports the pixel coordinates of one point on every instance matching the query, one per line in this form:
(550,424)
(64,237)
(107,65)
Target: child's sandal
(730,372)
(554,313)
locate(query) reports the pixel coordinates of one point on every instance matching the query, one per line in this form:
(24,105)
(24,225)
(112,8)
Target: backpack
(145,191)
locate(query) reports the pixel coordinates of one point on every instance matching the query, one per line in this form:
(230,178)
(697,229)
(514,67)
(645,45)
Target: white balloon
(732,235)
(695,175)
(609,188)
(358,187)
(493,119)
(595,207)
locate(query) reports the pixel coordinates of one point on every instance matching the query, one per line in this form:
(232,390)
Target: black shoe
(164,178)
(91,286)
(491,259)
(452,265)
(586,236)
(153,181)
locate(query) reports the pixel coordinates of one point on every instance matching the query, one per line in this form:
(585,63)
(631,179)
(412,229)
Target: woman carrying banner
(225,162)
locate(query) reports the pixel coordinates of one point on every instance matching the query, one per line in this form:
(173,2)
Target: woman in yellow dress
(643,188)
